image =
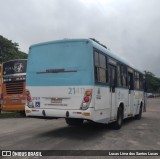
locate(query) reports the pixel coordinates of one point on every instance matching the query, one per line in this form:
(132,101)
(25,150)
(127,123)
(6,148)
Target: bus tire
(139,115)
(74,121)
(119,121)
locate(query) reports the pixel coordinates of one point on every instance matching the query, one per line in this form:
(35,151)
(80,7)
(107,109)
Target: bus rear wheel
(74,121)
(119,121)
(139,116)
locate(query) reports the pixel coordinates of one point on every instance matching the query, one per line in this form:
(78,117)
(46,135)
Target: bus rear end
(60,79)
(14,82)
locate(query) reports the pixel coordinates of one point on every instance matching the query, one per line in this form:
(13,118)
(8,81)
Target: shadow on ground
(87,131)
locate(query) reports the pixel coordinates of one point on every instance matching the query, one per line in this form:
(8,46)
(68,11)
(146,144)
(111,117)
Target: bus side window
(122,80)
(100,62)
(96,59)
(141,82)
(118,76)
(136,79)
(130,81)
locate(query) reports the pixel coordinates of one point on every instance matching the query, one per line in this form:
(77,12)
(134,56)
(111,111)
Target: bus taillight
(86,100)
(28,96)
(88,93)
(29,100)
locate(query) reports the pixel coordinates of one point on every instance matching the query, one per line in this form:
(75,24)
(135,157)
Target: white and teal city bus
(81,80)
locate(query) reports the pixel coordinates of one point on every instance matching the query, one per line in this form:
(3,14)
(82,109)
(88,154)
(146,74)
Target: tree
(153,83)
(9,50)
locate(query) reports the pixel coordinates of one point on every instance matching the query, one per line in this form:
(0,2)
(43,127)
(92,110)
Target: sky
(129,28)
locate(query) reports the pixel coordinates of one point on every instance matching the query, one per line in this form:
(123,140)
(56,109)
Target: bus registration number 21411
(76,90)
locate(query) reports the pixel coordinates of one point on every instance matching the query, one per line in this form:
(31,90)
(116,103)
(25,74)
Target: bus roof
(114,55)
(96,45)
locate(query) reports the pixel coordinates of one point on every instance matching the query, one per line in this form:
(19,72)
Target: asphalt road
(42,134)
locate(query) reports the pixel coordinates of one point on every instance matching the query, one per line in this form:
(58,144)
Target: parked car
(150,95)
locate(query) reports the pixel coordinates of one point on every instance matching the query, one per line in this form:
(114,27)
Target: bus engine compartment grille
(14,88)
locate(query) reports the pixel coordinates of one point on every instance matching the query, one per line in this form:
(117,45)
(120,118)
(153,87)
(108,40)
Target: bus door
(112,76)
(131,93)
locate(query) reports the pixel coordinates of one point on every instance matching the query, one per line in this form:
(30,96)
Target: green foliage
(12,115)
(9,50)
(153,83)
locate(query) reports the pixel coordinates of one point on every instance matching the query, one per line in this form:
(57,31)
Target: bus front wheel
(74,121)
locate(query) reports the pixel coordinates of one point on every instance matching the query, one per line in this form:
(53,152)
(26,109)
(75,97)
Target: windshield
(14,67)
(60,64)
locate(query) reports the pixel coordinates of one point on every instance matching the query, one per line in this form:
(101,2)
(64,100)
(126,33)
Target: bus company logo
(6,153)
(21,153)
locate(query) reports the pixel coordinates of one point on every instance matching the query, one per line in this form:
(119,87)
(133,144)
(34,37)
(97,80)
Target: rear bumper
(56,113)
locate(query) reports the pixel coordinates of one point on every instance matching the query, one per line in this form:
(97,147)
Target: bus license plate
(56,100)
